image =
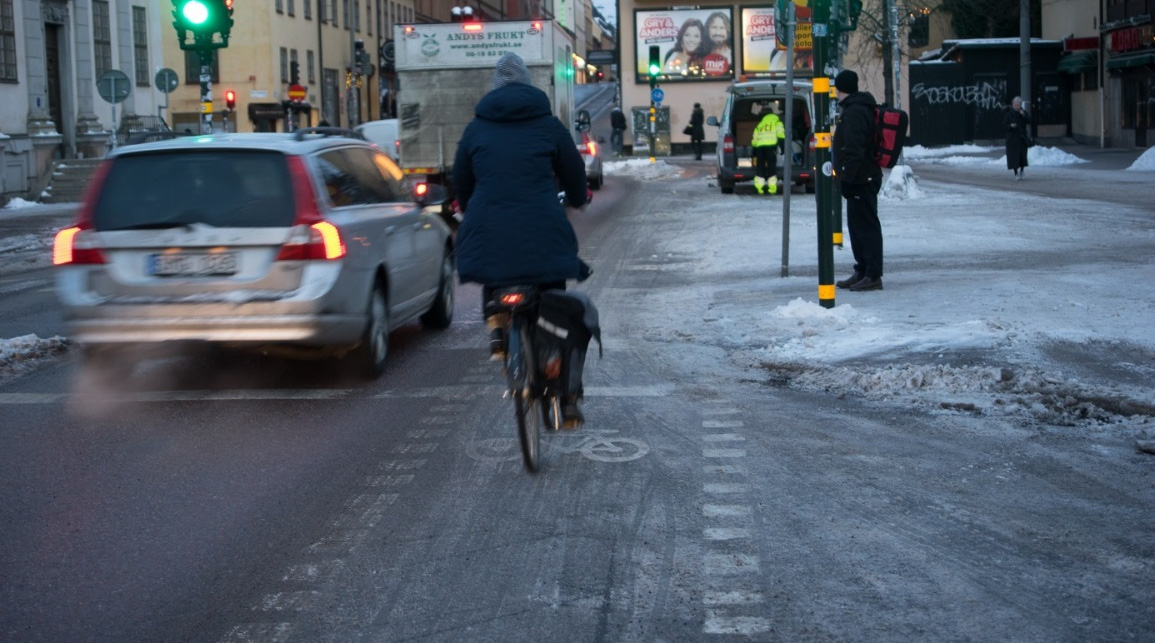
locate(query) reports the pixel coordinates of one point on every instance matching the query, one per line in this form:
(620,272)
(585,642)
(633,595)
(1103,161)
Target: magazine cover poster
(763,48)
(694,44)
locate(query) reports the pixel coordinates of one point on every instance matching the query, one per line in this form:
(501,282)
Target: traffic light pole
(822,137)
(205,54)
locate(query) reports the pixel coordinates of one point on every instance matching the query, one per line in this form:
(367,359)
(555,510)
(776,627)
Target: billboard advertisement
(694,44)
(763,43)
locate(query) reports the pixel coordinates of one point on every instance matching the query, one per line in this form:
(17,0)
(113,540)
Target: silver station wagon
(305,242)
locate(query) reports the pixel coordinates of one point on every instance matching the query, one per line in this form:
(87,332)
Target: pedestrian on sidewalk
(1018,124)
(618,124)
(860,179)
(697,132)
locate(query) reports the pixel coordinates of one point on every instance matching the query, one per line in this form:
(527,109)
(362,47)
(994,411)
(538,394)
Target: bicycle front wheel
(529,428)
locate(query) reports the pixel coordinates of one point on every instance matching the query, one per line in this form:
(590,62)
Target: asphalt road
(219,497)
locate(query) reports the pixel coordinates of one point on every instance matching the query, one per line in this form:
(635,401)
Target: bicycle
(534,378)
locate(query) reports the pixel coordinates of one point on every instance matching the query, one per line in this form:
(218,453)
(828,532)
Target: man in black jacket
(860,178)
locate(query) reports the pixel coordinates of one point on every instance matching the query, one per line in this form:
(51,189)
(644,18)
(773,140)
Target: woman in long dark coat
(1018,124)
(697,132)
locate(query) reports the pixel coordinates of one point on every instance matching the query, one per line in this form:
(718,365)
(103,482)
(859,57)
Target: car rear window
(221,188)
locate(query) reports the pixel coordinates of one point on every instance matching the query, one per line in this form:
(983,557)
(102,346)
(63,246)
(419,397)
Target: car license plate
(193,264)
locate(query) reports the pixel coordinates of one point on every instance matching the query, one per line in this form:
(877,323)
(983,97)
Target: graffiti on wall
(985,96)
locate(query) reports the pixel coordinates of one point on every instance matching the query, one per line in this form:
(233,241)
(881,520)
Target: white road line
(726,411)
(726,533)
(725,487)
(723,624)
(259,633)
(722,424)
(725,511)
(714,597)
(723,437)
(723,453)
(727,564)
(724,468)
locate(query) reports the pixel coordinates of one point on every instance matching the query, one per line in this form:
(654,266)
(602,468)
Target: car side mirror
(710,120)
(583,121)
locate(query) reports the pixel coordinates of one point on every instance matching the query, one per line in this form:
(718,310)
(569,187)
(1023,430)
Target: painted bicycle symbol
(600,446)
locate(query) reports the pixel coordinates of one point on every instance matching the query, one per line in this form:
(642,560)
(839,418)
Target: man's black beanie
(846,82)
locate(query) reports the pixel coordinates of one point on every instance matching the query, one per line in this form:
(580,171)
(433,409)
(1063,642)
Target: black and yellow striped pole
(820,17)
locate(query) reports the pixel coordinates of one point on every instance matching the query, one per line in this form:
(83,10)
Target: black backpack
(566,322)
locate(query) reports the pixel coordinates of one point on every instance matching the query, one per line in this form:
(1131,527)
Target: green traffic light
(655,70)
(195,12)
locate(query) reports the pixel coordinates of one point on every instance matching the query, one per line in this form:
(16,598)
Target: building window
(101,37)
(293,63)
(333,13)
(192,68)
(7,42)
(280,6)
(292,8)
(310,69)
(308,6)
(345,13)
(140,46)
(284,65)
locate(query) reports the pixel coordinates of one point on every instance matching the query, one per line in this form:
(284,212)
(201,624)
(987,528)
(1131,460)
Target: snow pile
(21,354)
(643,169)
(1046,156)
(901,183)
(979,155)
(920,153)
(18,203)
(1146,162)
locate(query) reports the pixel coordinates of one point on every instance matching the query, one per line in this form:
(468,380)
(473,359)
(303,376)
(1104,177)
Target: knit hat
(846,82)
(510,69)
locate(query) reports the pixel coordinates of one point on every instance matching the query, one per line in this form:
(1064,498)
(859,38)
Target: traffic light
(203,19)
(230,99)
(294,73)
(655,65)
(853,9)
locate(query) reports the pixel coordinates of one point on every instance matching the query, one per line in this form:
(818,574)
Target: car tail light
(312,236)
(812,142)
(591,148)
(728,144)
(65,248)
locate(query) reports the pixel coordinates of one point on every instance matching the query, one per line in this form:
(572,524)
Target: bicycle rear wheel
(529,429)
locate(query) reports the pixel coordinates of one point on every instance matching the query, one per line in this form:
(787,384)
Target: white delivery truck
(444,69)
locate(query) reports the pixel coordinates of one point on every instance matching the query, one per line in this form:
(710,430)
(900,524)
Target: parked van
(383,134)
(746,104)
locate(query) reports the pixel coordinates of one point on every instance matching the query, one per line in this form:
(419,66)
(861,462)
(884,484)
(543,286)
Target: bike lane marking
(730,568)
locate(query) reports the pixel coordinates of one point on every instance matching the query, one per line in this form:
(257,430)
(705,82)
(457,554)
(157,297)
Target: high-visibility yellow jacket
(769,131)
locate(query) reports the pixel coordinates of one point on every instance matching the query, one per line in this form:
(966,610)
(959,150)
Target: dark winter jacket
(853,144)
(1018,138)
(617,119)
(697,119)
(512,160)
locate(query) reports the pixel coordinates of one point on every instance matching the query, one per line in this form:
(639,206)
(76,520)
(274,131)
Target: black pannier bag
(566,322)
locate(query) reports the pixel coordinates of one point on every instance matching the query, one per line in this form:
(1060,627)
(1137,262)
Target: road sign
(166,80)
(657,95)
(297,93)
(113,86)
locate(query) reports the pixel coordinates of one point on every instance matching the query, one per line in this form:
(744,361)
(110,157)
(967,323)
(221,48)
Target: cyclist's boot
(571,415)
(497,323)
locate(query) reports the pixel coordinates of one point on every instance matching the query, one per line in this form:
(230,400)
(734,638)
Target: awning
(1079,62)
(1132,60)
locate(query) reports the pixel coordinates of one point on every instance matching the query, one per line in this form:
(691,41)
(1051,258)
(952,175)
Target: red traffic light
(230,99)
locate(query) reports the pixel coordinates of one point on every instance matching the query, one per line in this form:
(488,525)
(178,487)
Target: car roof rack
(300,134)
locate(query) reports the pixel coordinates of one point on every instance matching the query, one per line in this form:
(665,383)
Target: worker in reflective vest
(768,138)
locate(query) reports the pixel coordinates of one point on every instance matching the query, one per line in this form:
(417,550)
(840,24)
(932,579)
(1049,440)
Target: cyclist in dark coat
(860,179)
(511,162)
